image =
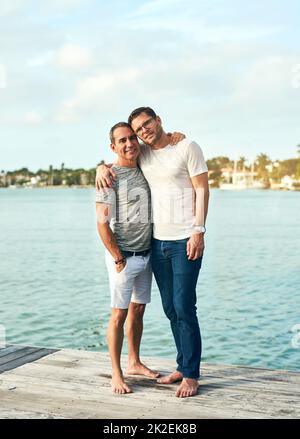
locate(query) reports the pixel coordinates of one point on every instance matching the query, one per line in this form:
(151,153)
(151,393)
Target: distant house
(234,179)
(2,179)
(288,182)
(34,181)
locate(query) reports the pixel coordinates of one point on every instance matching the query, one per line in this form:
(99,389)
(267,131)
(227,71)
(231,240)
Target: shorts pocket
(122,271)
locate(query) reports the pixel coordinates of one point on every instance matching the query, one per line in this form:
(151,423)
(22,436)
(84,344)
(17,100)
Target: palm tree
(241,163)
(262,160)
(50,176)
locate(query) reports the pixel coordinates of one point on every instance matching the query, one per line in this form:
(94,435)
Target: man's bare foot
(172,378)
(141,369)
(188,387)
(118,385)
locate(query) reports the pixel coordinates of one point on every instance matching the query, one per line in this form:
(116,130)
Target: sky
(225,73)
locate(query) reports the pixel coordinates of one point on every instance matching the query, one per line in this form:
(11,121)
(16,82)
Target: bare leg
(188,387)
(134,329)
(115,336)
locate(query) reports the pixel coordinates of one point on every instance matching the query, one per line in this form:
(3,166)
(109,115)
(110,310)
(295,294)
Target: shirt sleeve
(195,160)
(106,195)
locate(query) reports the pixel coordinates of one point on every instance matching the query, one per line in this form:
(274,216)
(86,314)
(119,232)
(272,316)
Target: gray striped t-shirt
(131,208)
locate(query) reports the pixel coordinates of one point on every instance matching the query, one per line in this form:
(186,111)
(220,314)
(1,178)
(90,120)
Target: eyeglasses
(146,125)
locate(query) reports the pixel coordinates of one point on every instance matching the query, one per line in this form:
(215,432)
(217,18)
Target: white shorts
(132,284)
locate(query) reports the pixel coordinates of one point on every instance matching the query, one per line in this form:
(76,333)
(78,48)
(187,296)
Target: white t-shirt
(168,172)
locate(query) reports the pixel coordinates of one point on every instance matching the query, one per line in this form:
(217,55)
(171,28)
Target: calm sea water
(54,288)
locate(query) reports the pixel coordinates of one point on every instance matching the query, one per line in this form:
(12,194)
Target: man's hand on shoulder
(195,246)
(176,137)
(104,176)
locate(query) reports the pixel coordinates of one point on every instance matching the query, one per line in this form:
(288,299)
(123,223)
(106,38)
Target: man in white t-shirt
(178,180)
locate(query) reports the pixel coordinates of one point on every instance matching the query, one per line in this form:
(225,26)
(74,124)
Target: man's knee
(186,312)
(137,309)
(170,312)
(118,316)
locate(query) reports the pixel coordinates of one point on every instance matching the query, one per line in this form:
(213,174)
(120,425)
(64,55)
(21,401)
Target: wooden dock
(63,383)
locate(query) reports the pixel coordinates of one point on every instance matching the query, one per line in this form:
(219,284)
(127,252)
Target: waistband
(127,254)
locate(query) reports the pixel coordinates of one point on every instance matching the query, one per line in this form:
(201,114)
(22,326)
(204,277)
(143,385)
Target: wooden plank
(257,402)
(23,356)
(16,354)
(73,405)
(12,413)
(76,384)
(150,389)
(98,375)
(4,349)
(10,349)
(245,378)
(147,391)
(244,372)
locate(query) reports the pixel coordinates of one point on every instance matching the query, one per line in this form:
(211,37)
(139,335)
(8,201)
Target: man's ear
(113,147)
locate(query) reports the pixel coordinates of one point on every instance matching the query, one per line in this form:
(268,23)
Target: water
(54,288)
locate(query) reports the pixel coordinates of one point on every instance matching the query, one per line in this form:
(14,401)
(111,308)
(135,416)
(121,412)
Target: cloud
(41,60)
(72,56)
(155,7)
(33,118)
(69,56)
(200,23)
(10,7)
(62,6)
(223,69)
(94,92)
(267,80)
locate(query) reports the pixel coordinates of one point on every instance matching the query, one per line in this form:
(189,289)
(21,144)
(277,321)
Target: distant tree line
(51,177)
(265,169)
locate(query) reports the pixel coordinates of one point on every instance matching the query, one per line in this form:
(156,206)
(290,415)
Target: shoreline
(92,187)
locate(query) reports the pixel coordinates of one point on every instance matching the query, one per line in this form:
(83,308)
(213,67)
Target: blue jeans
(176,277)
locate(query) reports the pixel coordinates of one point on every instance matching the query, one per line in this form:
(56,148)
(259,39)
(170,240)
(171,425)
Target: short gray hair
(118,125)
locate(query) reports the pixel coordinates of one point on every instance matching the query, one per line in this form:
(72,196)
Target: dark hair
(135,113)
(117,125)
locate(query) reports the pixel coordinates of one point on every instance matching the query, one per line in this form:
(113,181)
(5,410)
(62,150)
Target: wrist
(199,229)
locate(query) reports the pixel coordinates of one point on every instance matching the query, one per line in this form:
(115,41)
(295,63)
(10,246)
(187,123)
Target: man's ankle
(134,362)
(117,373)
